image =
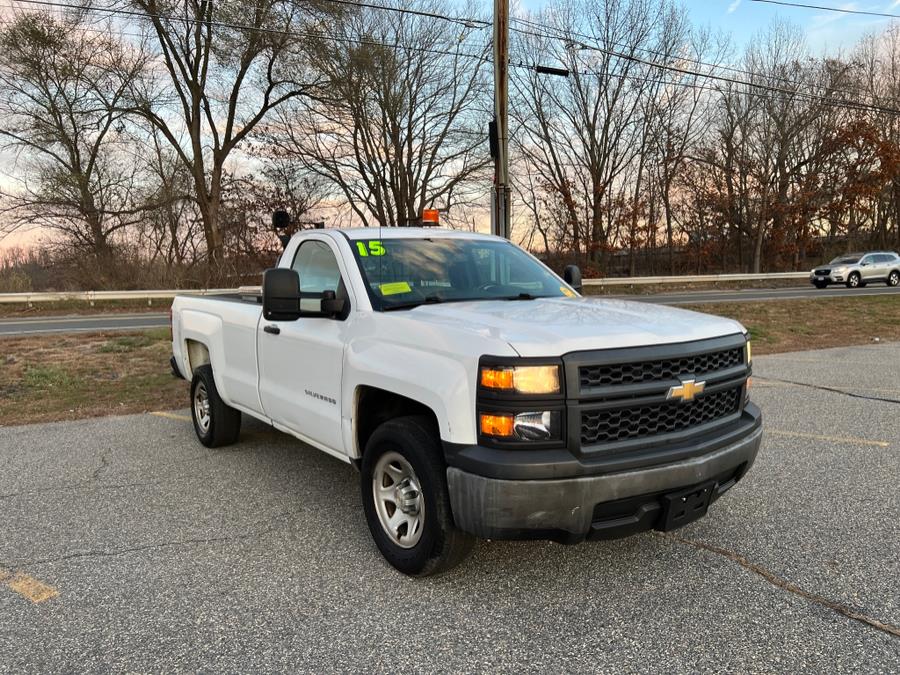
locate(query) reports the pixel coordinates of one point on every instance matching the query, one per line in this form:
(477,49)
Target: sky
(830,32)
(826,33)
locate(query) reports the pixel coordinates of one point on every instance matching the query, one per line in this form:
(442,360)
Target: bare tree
(61,89)
(582,133)
(225,67)
(399,123)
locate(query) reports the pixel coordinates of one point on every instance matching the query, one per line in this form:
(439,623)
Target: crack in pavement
(104,462)
(157,545)
(832,390)
(784,584)
(91,486)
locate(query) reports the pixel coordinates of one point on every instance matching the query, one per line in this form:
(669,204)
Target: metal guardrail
(699,278)
(98,296)
(150,296)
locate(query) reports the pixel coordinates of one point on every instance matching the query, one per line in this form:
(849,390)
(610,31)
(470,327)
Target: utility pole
(500,195)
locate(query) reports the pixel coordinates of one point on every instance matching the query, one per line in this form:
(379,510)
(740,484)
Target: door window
(319,272)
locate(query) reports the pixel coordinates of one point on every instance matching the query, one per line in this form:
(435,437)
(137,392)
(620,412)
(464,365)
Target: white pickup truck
(478,393)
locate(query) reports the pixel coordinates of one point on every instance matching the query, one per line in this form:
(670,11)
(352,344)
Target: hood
(557,326)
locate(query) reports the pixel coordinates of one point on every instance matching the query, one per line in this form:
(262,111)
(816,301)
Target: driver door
(301,362)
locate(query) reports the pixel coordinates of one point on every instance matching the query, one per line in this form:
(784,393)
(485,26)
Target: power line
(823,8)
(564,35)
(721,78)
(237,26)
(483,58)
(467,22)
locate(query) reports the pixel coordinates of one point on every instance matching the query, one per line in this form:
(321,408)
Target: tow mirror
(281,295)
(333,306)
(572,276)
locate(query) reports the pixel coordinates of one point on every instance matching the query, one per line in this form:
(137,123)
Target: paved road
(81,324)
(761,294)
(110,322)
(165,556)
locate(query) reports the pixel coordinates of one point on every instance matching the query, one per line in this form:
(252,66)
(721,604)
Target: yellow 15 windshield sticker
(395,288)
(372,247)
(567,292)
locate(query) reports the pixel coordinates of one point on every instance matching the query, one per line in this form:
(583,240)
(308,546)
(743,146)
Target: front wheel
(854,280)
(405,499)
(894,279)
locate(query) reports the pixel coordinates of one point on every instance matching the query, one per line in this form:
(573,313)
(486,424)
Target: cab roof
(354,233)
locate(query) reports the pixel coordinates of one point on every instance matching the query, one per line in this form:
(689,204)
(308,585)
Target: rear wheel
(405,499)
(854,280)
(894,279)
(215,422)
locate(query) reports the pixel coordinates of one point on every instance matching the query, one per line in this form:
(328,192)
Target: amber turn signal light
(521,379)
(500,426)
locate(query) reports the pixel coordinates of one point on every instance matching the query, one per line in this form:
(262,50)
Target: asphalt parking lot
(126,545)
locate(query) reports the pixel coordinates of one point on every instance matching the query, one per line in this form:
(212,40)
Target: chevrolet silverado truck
(477,393)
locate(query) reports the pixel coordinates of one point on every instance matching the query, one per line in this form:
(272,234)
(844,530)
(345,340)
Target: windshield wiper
(428,300)
(523,296)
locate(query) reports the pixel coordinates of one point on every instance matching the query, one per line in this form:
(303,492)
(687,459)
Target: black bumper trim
(570,510)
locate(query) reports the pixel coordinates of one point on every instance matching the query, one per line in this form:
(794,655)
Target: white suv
(857,269)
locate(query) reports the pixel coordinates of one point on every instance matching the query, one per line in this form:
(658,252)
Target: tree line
(150,139)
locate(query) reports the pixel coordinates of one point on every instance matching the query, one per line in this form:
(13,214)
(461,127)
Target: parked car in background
(855,270)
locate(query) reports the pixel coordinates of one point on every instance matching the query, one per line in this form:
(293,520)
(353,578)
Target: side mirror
(333,306)
(572,276)
(281,295)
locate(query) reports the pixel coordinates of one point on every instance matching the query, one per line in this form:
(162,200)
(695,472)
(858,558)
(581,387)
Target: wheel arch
(197,355)
(373,406)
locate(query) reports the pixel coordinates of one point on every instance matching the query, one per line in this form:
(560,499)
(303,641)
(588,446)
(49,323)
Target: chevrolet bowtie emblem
(686,391)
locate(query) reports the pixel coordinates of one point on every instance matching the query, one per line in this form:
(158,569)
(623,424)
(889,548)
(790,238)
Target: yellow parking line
(27,586)
(836,439)
(172,416)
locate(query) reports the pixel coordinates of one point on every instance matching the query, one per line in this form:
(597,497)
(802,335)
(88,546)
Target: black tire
(894,279)
(854,280)
(820,284)
(223,425)
(441,545)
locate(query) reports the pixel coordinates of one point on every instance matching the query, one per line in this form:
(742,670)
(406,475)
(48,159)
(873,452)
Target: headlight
(749,353)
(526,426)
(521,379)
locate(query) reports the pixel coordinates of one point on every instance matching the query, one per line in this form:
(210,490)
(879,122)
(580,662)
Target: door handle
(273,330)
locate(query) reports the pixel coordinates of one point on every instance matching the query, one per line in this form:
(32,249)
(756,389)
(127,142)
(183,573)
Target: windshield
(845,260)
(406,273)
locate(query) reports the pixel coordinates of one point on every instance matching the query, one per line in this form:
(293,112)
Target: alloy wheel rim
(895,279)
(854,280)
(201,407)
(398,499)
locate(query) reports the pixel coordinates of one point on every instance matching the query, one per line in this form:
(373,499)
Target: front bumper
(832,278)
(604,506)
